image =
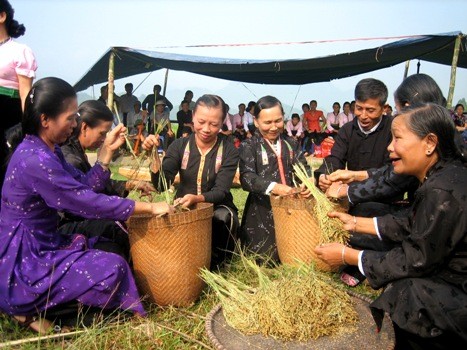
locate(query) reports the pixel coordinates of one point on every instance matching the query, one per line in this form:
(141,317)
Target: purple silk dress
(40,268)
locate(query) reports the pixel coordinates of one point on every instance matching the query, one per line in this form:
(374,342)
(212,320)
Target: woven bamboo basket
(297,230)
(169,251)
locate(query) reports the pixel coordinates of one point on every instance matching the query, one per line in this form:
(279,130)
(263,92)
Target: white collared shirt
(372,129)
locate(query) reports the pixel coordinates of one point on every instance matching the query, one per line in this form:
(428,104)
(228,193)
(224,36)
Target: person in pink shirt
(346,113)
(237,123)
(335,119)
(17,70)
(294,128)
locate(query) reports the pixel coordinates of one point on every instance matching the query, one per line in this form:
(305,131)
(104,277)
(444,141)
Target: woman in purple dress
(39,268)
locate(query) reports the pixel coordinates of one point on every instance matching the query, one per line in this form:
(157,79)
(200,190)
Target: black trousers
(224,235)
(10,114)
(110,236)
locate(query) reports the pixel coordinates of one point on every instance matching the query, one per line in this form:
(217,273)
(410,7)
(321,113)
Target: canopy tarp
(437,48)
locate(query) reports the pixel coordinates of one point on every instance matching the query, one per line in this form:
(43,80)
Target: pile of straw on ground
(287,303)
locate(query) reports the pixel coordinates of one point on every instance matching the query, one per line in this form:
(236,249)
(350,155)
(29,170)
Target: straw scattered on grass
(285,302)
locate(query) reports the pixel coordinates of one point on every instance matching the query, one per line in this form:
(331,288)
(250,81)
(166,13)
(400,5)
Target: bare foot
(39,325)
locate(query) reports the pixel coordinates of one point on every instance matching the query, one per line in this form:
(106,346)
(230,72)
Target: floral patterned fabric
(40,268)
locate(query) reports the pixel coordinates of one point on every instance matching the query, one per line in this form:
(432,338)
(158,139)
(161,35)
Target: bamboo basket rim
(201,211)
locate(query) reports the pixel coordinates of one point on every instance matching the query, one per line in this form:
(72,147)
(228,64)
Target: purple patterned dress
(40,268)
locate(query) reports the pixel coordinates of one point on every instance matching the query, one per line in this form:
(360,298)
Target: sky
(69,36)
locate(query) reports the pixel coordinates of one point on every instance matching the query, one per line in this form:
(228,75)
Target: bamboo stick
(165,81)
(406,70)
(110,92)
(452,82)
(39,338)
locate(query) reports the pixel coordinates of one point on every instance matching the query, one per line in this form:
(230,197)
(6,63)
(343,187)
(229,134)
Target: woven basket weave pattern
(297,230)
(169,251)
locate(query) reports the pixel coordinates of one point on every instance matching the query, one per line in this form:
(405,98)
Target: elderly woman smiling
(424,275)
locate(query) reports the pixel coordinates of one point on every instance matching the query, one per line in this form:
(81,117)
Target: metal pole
(110,93)
(406,70)
(165,81)
(418,67)
(452,82)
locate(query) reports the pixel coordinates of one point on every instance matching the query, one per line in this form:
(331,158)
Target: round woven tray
(297,230)
(169,251)
(224,337)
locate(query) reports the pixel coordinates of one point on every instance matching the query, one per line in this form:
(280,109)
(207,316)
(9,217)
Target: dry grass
(285,302)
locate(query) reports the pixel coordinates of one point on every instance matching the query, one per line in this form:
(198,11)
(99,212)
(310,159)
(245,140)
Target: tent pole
(165,81)
(406,70)
(452,82)
(110,96)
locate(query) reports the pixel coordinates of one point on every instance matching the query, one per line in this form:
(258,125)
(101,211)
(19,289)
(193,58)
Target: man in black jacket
(361,144)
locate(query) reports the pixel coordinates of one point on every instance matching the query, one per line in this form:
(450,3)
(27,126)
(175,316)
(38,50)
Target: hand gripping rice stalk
(331,228)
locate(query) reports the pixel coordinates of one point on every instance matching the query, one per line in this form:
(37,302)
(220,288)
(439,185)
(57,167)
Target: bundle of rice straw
(331,228)
(287,303)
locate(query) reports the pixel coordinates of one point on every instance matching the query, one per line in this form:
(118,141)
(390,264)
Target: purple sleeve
(96,178)
(50,179)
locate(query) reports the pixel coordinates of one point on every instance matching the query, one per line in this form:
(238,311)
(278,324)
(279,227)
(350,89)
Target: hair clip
(31,95)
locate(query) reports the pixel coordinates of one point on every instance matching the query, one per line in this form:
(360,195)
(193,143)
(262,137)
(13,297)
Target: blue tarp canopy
(437,48)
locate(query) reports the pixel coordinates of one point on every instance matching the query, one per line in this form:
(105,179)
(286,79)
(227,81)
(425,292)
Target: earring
(428,152)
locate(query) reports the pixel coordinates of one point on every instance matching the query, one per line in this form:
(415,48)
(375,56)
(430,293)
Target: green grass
(165,328)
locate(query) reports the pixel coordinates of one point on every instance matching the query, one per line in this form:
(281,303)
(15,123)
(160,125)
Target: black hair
(336,103)
(418,89)
(241,104)
(184,101)
(295,115)
(13,28)
(251,104)
(187,130)
(157,87)
(267,102)
(47,96)
(14,136)
(371,89)
(432,118)
(306,105)
(346,103)
(314,102)
(211,101)
(92,113)
(128,84)
(459,105)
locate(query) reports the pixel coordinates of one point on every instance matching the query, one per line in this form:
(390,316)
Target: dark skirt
(224,235)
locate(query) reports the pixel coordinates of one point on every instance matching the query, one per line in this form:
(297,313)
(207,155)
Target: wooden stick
(406,70)
(452,82)
(110,92)
(39,338)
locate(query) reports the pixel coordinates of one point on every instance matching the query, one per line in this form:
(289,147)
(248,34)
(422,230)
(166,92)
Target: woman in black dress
(266,161)
(424,275)
(207,162)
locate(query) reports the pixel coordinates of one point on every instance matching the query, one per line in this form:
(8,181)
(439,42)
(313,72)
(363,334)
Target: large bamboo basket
(297,230)
(169,251)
